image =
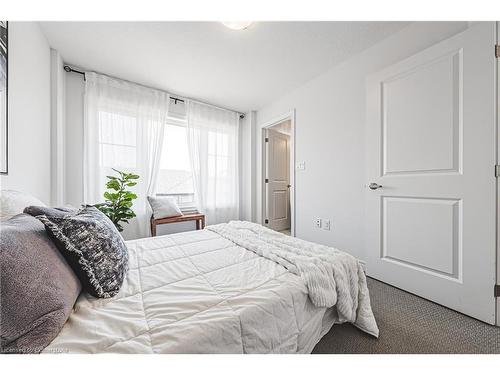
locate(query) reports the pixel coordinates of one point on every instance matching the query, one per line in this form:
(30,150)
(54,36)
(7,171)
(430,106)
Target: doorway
(278,174)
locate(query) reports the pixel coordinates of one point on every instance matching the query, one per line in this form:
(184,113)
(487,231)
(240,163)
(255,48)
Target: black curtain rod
(69,69)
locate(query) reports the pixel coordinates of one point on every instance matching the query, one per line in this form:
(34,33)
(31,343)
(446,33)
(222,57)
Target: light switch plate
(300,166)
(326,224)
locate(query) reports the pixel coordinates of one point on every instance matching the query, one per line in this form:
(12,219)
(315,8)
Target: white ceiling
(240,70)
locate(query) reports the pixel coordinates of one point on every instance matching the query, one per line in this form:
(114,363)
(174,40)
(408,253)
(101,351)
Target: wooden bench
(199,218)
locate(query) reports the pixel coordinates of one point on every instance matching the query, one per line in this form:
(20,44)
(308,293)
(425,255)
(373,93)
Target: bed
(206,292)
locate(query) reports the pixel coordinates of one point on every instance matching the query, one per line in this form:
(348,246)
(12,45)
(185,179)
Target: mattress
(197,292)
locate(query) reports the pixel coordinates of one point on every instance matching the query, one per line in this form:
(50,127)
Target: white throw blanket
(333,277)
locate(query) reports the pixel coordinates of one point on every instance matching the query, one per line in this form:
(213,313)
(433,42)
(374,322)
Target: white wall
(330,137)
(29,112)
(57,119)
(247,166)
(73,135)
(284,127)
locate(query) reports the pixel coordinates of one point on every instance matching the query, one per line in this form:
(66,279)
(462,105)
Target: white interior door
(431,146)
(278,180)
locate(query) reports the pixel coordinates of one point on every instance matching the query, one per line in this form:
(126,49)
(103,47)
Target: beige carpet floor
(410,324)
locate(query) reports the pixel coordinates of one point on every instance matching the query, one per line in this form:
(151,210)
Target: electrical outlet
(326,224)
(318,222)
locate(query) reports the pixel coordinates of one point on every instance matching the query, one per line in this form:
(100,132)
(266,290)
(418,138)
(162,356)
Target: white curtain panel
(123,129)
(213,148)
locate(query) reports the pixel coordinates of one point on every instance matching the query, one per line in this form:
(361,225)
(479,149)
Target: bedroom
(193,186)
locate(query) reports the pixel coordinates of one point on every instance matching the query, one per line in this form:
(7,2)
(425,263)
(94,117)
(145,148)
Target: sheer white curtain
(123,129)
(213,148)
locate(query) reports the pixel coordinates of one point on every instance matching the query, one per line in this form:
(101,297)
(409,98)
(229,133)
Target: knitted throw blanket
(332,277)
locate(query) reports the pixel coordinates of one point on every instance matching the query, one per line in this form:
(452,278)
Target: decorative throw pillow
(38,287)
(164,207)
(49,211)
(13,203)
(93,247)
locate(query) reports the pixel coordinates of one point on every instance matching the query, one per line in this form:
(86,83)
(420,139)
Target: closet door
(430,184)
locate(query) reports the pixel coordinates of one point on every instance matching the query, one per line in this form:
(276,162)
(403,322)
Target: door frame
(497,153)
(263,128)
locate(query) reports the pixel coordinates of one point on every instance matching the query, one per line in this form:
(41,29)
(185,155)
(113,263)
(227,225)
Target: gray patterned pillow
(49,211)
(93,248)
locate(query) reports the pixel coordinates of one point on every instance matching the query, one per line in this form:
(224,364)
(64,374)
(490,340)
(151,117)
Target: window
(175,178)
(219,165)
(118,149)
(117,140)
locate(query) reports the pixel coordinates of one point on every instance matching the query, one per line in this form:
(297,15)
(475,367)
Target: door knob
(374,186)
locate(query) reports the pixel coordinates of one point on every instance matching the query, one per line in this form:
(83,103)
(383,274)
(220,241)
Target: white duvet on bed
(332,277)
(197,292)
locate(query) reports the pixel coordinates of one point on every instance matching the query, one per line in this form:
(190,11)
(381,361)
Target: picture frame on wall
(4,88)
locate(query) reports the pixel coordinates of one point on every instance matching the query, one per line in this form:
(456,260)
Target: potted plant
(119,200)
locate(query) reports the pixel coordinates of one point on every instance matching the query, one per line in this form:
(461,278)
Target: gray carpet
(410,324)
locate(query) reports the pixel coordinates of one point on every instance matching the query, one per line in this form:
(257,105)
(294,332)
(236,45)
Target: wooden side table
(199,218)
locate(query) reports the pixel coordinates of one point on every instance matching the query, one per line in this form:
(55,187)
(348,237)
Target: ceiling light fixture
(237,25)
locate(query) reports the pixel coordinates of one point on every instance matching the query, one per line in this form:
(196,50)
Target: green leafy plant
(118,204)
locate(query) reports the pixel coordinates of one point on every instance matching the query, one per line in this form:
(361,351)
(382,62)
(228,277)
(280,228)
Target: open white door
(278,180)
(430,163)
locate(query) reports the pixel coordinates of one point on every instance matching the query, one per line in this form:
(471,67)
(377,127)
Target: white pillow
(164,207)
(14,202)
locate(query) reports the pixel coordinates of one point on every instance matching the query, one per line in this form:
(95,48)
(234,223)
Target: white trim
(497,145)
(263,127)
(57,130)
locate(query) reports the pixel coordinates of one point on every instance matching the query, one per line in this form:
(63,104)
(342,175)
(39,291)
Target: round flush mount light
(237,25)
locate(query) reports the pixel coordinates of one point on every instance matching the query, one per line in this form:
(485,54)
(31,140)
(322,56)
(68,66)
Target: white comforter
(198,292)
(332,277)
